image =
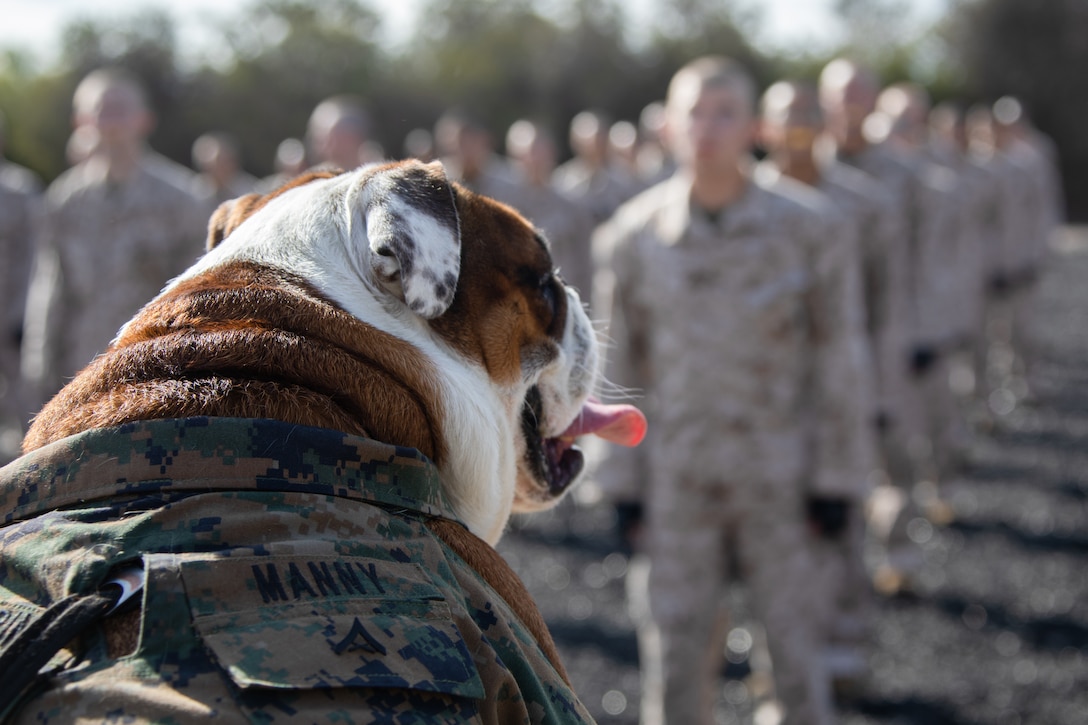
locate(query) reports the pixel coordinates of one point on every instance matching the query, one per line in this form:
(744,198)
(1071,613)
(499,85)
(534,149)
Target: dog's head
(471,286)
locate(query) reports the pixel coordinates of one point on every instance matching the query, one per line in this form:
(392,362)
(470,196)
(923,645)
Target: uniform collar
(218,454)
(678,214)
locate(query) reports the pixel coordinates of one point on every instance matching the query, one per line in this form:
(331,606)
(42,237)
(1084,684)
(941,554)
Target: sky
(34,26)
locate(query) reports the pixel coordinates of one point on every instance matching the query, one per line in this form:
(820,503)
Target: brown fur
(248,341)
(496,315)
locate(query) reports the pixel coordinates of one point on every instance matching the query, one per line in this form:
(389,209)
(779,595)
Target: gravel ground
(995,631)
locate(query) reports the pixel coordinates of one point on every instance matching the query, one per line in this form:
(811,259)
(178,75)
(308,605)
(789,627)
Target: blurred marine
(734,307)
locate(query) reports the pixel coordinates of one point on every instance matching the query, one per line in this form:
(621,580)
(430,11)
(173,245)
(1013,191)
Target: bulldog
(255,455)
(385,302)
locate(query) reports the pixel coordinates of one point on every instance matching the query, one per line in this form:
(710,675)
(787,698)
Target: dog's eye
(549,297)
(549,290)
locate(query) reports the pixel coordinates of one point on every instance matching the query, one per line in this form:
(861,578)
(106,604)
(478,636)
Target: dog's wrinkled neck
(248,341)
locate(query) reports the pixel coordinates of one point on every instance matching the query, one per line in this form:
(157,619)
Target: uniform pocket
(306,623)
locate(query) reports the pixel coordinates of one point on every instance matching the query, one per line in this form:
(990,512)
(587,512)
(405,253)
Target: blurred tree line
(506,59)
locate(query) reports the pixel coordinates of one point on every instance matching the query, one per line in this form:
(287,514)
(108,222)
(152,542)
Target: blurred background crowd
(945,156)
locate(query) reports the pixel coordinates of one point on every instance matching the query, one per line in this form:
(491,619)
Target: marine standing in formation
(790,126)
(117,227)
(735,307)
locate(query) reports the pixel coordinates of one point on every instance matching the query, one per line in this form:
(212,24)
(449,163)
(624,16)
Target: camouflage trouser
(1024,341)
(1011,342)
(841,589)
(679,605)
(933,423)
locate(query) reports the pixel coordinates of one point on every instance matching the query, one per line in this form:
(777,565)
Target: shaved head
(337,130)
(947,120)
(791,100)
(790,122)
(847,78)
(112,103)
(710,120)
(848,94)
(712,71)
(905,99)
(906,108)
(116,81)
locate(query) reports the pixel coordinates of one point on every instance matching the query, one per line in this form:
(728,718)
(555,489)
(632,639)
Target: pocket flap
(393,631)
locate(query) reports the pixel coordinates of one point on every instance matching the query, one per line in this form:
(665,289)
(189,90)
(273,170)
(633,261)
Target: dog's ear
(413,234)
(227,217)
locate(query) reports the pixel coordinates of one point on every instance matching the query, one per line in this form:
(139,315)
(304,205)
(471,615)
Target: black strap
(30,650)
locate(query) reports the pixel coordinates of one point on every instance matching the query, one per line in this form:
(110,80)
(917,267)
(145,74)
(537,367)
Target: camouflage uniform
(1041,216)
(19,217)
(1005,253)
(105,249)
(932,411)
(1044,203)
(979,196)
(746,336)
(291,577)
(895,174)
(843,589)
(918,404)
(923,285)
(874,211)
(979,193)
(999,254)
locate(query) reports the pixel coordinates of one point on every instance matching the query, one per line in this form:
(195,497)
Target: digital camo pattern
(721,325)
(105,250)
(936,263)
(1040,204)
(746,335)
(1040,214)
(979,228)
(868,205)
(896,173)
(902,178)
(291,578)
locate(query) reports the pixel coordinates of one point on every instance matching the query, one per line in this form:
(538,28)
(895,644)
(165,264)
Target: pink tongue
(621,424)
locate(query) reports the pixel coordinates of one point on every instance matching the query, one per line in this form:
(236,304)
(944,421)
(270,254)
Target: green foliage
(506,59)
(37,111)
(500,59)
(289,55)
